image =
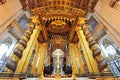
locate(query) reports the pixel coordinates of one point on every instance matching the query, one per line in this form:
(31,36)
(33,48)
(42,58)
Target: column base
(73,76)
(42,77)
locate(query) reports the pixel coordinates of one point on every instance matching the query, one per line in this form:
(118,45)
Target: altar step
(83,78)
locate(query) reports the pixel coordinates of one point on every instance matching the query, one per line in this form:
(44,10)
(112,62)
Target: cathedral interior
(59,39)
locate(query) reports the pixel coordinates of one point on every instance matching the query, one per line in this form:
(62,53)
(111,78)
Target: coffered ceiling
(87,5)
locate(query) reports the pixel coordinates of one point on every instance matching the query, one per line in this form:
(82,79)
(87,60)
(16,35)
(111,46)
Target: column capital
(45,44)
(71,44)
(38,27)
(85,26)
(77,28)
(81,20)
(35,19)
(30,25)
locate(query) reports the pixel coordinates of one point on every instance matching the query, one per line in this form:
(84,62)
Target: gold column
(48,56)
(41,61)
(38,48)
(67,51)
(74,63)
(57,76)
(82,69)
(85,47)
(23,63)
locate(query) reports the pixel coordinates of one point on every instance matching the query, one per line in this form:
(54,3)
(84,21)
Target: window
(23,21)
(93,23)
(108,46)
(7,43)
(3,47)
(110,54)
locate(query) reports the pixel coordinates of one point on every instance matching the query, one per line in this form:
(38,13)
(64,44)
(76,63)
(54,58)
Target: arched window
(3,47)
(3,53)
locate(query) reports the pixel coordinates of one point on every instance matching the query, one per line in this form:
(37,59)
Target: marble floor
(83,78)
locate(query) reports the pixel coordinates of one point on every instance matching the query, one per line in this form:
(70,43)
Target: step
(83,78)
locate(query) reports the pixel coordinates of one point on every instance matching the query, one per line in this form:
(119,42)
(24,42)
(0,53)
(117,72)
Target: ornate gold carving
(25,38)
(14,58)
(20,46)
(27,31)
(30,25)
(90,39)
(72,12)
(7,70)
(35,19)
(81,20)
(58,25)
(38,27)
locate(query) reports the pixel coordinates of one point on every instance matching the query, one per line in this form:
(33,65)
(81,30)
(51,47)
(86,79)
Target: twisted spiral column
(102,64)
(24,62)
(11,63)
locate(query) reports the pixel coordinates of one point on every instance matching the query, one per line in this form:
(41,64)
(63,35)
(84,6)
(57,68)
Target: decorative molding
(92,5)
(113,2)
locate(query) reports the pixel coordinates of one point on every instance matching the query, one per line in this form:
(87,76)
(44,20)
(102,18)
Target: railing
(100,75)
(5,75)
